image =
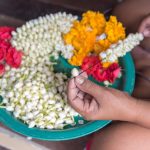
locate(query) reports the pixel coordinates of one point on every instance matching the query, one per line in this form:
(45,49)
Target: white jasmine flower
(32,124)
(74,72)
(101,37)
(31,93)
(121,48)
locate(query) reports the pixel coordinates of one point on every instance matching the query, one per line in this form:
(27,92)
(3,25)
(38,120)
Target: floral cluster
(34,93)
(121,48)
(92,65)
(105,67)
(8,54)
(44,35)
(98,44)
(93,34)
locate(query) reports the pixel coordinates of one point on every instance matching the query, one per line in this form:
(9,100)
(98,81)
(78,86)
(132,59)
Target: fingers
(88,87)
(88,97)
(72,90)
(87,107)
(75,96)
(80,94)
(78,105)
(84,74)
(145,27)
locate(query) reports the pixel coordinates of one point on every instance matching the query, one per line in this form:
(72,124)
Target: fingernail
(146,33)
(80,79)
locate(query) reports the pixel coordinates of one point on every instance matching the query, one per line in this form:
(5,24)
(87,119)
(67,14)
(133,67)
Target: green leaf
(1,99)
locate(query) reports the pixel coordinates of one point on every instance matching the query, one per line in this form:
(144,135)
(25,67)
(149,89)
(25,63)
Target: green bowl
(125,83)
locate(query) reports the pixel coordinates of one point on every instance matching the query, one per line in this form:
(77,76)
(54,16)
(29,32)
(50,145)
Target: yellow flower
(82,35)
(101,45)
(106,64)
(95,20)
(114,30)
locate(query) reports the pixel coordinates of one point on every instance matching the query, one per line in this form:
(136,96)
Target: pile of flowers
(8,54)
(94,67)
(30,88)
(93,34)
(33,92)
(94,39)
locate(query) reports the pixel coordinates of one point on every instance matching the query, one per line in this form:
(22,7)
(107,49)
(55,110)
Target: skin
(131,13)
(106,103)
(132,129)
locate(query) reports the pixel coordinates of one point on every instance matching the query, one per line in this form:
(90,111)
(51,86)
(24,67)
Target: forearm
(141,113)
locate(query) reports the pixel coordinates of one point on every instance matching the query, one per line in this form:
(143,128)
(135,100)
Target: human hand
(145,26)
(99,103)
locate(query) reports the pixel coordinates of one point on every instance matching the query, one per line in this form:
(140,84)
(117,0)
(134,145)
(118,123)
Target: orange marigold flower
(101,45)
(106,64)
(95,20)
(82,35)
(114,30)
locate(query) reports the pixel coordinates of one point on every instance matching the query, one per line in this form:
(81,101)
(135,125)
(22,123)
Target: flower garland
(108,68)
(44,35)
(121,48)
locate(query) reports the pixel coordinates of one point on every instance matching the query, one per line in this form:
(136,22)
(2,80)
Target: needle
(137,73)
(86,69)
(80,73)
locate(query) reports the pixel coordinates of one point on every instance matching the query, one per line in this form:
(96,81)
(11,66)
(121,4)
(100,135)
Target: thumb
(87,86)
(145,27)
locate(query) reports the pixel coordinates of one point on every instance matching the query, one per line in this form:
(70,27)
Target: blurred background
(15,12)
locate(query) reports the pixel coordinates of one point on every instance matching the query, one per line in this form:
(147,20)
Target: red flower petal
(116,72)
(107,74)
(100,75)
(2,54)
(2,69)
(14,57)
(91,61)
(4,44)
(113,71)
(5,33)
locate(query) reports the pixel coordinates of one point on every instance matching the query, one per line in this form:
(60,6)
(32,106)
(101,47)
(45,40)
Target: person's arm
(98,103)
(143,113)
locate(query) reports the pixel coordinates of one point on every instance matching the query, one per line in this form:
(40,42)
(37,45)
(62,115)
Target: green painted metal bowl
(125,83)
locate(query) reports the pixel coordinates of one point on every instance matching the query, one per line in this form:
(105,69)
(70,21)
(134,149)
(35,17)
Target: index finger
(72,90)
